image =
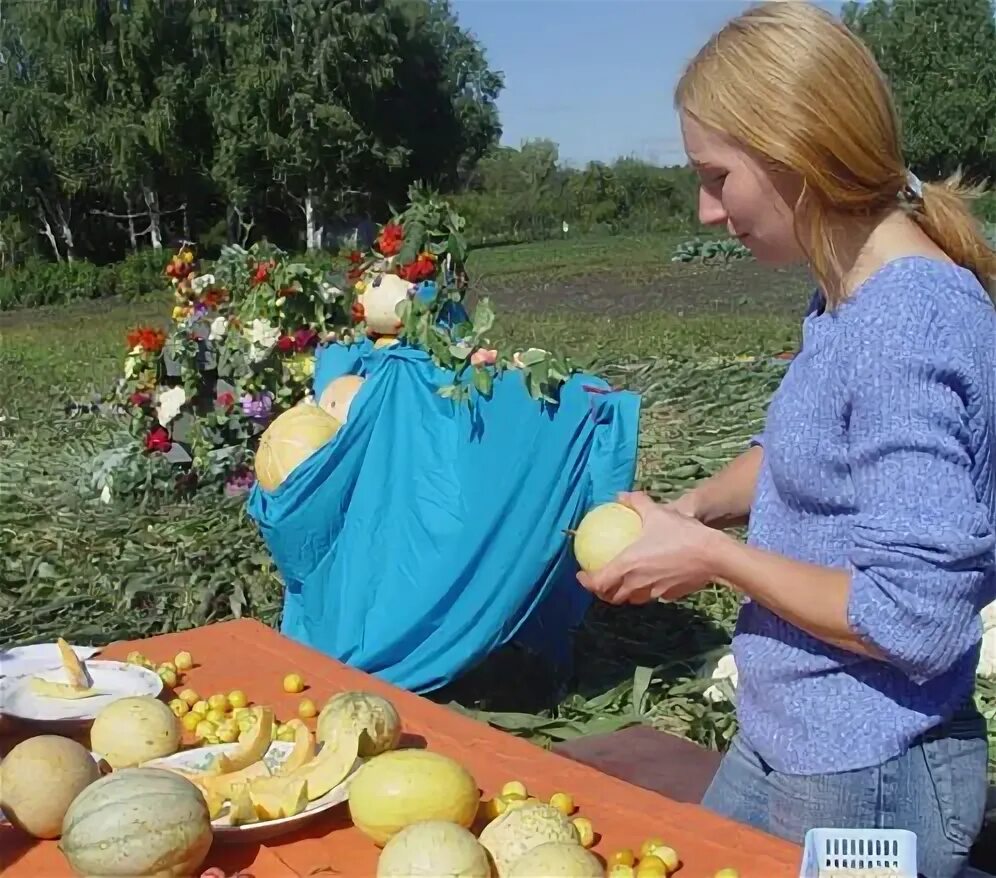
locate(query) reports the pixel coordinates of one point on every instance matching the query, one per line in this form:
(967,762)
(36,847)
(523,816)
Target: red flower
(158,440)
(262,273)
(213,298)
(304,338)
(149,339)
(390,238)
(285,344)
(357,312)
(355,257)
(354,274)
(140,399)
(421,269)
(226,400)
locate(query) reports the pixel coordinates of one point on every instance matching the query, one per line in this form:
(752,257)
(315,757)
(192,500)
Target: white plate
(22,661)
(114,680)
(200,760)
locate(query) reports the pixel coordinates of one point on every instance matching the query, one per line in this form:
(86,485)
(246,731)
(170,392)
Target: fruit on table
(563,802)
(179,707)
(277,797)
(622,857)
(306,708)
(237,699)
(603,533)
(433,847)
(190,721)
(205,729)
(183,661)
(401,787)
(515,789)
(291,438)
(374,717)
(201,707)
(727,873)
(190,697)
(54,689)
(133,730)
(303,752)
(519,830)
(218,701)
(586,833)
(557,859)
(621,870)
(252,746)
(215,716)
(655,847)
(337,397)
(293,683)
(79,677)
(137,822)
(652,866)
(39,779)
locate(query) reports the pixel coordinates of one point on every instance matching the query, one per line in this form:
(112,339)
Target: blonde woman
(871,494)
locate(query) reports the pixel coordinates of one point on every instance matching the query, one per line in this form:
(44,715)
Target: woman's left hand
(669,561)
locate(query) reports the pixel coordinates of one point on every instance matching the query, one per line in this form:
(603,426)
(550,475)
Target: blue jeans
(937,789)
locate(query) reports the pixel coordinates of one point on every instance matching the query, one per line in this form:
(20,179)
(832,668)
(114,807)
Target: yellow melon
(557,859)
(516,832)
(603,533)
(39,779)
(134,730)
(303,752)
(433,847)
(338,396)
(380,300)
(401,787)
(291,439)
(331,766)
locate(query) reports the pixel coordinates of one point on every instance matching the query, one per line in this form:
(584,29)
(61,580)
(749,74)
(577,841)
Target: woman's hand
(669,561)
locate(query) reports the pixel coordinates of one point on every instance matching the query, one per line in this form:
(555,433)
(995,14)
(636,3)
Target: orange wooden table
(247,655)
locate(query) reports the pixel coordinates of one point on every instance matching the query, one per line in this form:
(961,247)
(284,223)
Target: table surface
(247,655)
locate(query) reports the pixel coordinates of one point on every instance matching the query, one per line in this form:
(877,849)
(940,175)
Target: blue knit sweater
(879,457)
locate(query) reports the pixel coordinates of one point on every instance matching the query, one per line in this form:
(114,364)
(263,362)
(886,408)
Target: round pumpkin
(380,300)
(291,439)
(338,395)
(603,533)
(557,859)
(516,832)
(39,780)
(140,823)
(431,848)
(374,717)
(134,730)
(401,787)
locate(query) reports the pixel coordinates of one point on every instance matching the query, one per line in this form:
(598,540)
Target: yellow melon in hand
(290,440)
(603,533)
(338,396)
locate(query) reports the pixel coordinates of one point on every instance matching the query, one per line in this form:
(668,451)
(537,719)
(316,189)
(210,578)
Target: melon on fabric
(557,859)
(516,832)
(380,299)
(291,439)
(133,730)
(374,717)
(603,533)
(137,822)
(432,848)
(39,779)
(338,395)
(401,787)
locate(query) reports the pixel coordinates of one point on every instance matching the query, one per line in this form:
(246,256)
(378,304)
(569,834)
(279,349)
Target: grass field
(696,341)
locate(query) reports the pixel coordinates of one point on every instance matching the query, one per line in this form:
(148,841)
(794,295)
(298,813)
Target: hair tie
(912,192)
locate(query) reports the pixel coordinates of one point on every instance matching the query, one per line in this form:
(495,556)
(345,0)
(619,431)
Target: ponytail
(943,214)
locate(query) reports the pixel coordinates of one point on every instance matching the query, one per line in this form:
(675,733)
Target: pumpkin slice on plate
(242,811)
(79,676)
(253,744)
(50,689)
(331,766)
(303,752)
(276,797)
(223,784)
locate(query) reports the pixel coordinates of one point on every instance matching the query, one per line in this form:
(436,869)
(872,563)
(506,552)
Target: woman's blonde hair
(791,82)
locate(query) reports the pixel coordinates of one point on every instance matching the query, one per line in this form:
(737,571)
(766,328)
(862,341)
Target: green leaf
(484,316)
(482,380)
(533,356)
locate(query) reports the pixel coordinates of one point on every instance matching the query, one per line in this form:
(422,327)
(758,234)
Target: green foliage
(698,250)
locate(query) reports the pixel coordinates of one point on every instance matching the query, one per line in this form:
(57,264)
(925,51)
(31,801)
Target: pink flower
(483,357)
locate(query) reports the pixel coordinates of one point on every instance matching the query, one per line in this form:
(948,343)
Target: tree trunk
(46,230)
(152,202)
(311,233)
(132,237)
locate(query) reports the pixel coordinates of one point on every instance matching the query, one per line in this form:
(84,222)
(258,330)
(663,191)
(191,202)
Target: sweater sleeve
(922,540)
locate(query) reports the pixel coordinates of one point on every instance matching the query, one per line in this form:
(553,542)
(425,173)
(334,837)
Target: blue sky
(597,76)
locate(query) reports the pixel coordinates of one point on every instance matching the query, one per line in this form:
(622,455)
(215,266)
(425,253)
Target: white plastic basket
(882,853)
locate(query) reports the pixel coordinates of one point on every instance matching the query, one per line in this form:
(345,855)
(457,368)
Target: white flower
(263,335)
(131,365)
(201,283)
(105,495)
(987,657)
(329,291)
(724,669)
(170,403)
(219,326)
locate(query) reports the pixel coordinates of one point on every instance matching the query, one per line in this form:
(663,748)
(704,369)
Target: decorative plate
(200,759)
(111,680)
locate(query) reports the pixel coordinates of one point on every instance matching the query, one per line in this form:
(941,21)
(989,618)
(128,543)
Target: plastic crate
(884,853)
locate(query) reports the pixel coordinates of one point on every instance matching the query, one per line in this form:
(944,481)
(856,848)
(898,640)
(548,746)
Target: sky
(596,76)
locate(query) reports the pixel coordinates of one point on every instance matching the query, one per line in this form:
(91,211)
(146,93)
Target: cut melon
(223,784)
(242,809)
(79,676)
(303,752)
(49,689)
(331,766)
(276,797)
(252,745)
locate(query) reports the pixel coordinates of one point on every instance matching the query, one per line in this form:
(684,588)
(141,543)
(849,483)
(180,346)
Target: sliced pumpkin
(253,744)
(223,784)
(332,764)
(276,797)
(79,676)
(303,752)
(49,689)
(242,810)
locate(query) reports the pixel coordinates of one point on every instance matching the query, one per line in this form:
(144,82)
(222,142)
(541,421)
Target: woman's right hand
(724,500)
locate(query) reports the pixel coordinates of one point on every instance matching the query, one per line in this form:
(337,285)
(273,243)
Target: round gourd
(516,832)
(432,848)
(134,730)
(557,859)
(137,822)
(396,789)
(338,395)
(380,299)
(374,717)
(291,439)
(39,780)
(603,533)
